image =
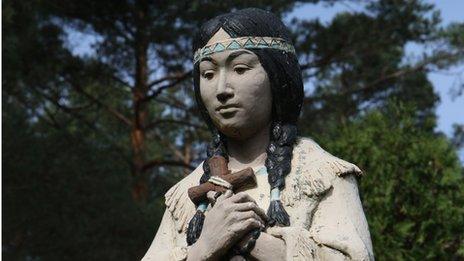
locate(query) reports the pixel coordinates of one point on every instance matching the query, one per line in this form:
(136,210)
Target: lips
(227,107)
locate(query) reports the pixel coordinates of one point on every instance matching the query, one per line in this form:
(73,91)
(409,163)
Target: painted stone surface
(251,98)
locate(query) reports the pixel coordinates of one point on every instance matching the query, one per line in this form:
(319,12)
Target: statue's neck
(250,152)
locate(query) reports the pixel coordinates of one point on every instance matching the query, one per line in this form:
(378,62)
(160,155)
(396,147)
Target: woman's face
(235,90)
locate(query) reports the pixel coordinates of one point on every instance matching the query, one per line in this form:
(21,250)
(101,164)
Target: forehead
(221,36)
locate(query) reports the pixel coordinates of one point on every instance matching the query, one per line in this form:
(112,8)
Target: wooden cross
(218,165)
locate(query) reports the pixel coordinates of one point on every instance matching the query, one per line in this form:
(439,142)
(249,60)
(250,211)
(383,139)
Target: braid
(278,164)
(216,147)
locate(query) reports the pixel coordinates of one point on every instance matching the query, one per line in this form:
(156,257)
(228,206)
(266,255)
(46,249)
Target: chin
(235,130)
(230,128)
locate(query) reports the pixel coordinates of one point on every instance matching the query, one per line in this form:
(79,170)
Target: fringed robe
(327,221)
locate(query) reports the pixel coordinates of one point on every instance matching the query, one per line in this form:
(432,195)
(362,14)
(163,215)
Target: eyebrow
(229,59)
(236,54)
(207,59)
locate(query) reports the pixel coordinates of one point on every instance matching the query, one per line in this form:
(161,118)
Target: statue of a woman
(249,88)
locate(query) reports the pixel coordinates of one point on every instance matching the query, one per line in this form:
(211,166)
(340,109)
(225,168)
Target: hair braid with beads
(215,148)
(278,164)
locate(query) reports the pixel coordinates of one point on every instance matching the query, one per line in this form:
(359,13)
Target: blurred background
(98,119)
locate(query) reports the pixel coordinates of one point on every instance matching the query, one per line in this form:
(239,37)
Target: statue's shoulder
(316,169)
(177,200)
(317,158)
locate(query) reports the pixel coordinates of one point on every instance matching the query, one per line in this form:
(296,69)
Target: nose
(224,88)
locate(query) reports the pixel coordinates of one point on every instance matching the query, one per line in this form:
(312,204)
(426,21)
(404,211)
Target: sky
(451,107)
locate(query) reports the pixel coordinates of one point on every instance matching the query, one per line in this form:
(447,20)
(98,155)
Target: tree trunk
(140,91)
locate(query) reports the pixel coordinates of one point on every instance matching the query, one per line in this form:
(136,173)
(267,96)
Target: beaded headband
(247,42)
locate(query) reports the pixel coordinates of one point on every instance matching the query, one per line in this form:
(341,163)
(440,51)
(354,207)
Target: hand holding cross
(221,180)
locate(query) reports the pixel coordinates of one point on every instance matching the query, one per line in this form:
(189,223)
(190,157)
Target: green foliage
(65,196)
(411,189)
(357,61)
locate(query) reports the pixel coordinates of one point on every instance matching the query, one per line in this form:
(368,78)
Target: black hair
(286,84)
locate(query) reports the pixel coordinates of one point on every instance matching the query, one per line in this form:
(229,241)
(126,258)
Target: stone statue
(249,89)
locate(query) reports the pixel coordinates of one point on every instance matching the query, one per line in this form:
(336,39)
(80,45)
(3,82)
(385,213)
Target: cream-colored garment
(320,196)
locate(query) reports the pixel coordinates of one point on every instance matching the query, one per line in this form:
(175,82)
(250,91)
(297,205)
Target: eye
(241,69)
(208,74)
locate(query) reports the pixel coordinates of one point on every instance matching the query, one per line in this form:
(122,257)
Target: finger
(249,214)
(245,226)
(252,223)
(241,197)
(251,206)
(224,196)
(212,196)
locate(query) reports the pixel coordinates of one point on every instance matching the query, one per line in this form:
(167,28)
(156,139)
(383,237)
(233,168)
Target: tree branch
(66,109)
(121,81)
(175,103)
(52,121)
(372,85)
(158,91)
(52,118)
(158,81)
(178,77)
(90,125)
(166,143)
(112,111)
